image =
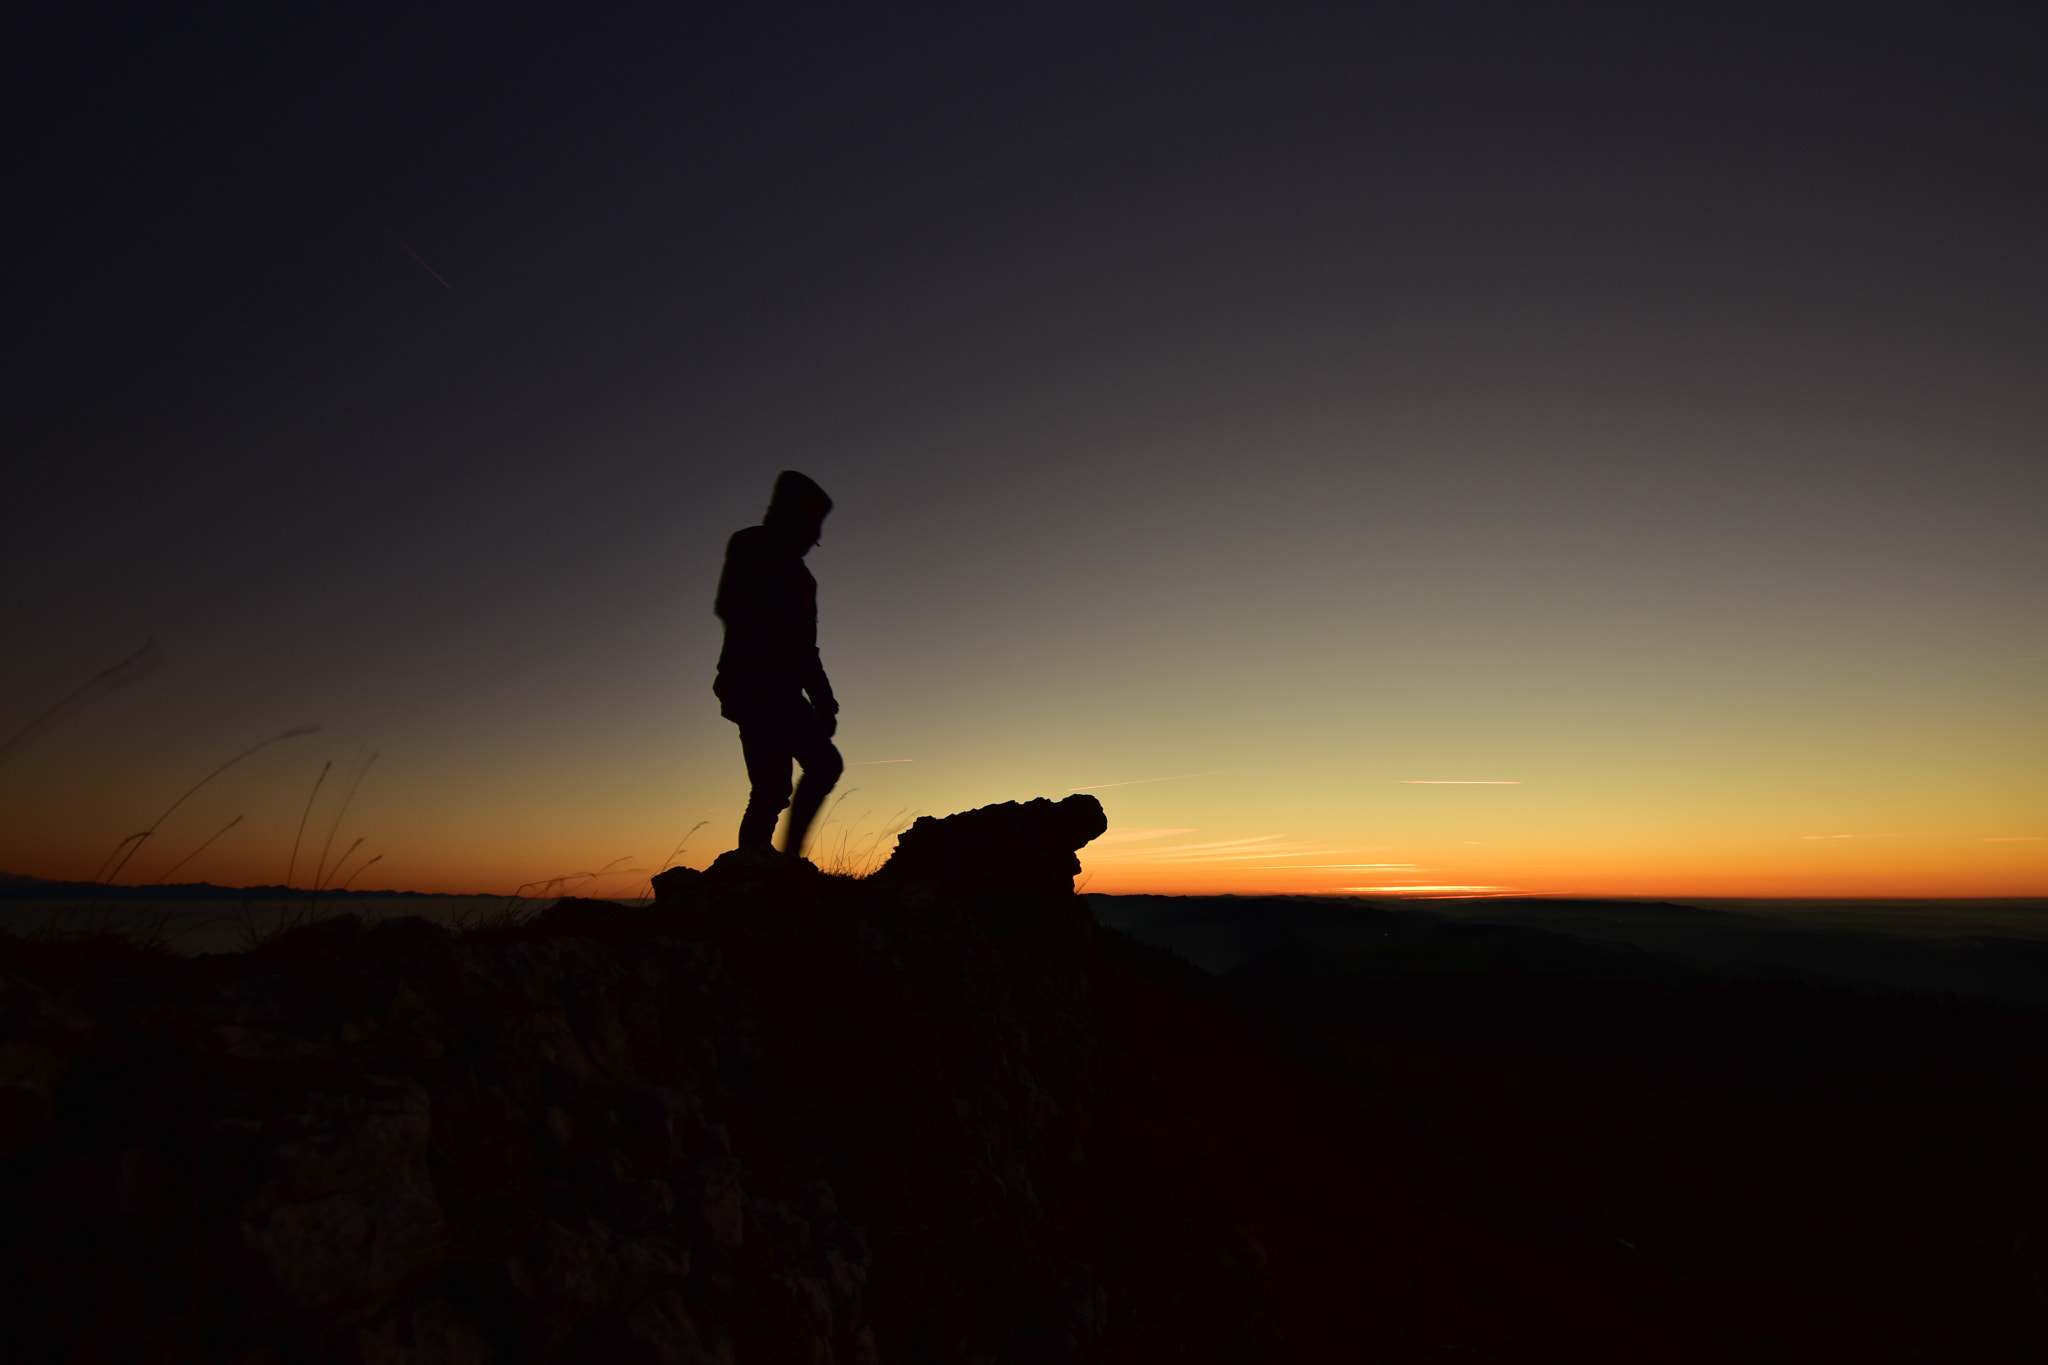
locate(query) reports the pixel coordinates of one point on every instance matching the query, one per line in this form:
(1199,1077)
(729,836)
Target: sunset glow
(1368,461)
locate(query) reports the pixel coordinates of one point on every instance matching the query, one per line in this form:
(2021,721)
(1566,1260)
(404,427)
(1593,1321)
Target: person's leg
(822,766)
(769,753)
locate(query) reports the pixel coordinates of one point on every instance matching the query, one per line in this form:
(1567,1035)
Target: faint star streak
(416,256)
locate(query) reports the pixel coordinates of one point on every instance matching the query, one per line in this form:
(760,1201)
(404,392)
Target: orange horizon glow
(1822,867)
(1901,868)
(1408,806)
(1175,860)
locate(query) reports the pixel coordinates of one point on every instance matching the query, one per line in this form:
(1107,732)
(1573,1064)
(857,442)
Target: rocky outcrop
(1023,848)
(603,1134)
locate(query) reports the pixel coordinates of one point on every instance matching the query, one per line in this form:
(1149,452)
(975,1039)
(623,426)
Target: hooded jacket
(769,603)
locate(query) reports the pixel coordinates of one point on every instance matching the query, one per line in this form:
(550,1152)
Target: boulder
(676,885)
(1025,848)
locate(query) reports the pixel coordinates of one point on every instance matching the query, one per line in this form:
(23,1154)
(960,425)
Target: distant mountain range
(1276,938)
(1652,942)
(14,887)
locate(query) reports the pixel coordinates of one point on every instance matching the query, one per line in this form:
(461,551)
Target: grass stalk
(165,874)
(136,841)
(293,865)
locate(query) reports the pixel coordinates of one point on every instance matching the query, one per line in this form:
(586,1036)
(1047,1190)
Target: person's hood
(786,507)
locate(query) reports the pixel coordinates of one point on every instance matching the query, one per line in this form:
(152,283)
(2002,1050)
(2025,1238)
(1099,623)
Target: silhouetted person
(771,682)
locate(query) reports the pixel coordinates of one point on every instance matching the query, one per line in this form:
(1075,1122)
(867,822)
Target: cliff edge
(603,1134)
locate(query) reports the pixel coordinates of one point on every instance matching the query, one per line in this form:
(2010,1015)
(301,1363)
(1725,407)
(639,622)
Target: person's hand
(828,719)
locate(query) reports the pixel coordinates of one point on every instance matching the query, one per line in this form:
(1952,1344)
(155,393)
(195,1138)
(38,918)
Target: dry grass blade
(360,869)
(674,853)
(136,841)
(859,856)
(357,769)
(293,865)
(166,873)
(134,668)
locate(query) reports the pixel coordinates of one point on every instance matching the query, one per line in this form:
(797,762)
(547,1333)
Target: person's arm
(739,601)
(810,668)
(819,689)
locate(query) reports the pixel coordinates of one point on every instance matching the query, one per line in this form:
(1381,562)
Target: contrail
(1455,782)
(416,256)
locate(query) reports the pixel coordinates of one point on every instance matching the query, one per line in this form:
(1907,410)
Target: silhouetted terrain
(15,888)
(941,1115)
(199,917)
(1997,950)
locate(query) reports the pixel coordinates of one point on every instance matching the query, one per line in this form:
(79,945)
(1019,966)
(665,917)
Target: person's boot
(757,826)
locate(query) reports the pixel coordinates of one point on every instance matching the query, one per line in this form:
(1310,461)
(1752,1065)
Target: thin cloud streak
(1139,782)
(1457,782)
(1336,867)
(1115,835)
(1217,843)
(1226,850)
(1436,892)
(1202,858)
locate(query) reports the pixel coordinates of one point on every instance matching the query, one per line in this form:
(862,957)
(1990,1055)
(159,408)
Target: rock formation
(1014,848)
(572,1139)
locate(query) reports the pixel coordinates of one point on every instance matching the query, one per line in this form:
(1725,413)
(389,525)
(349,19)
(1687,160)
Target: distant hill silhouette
(14,887)
(1644,941)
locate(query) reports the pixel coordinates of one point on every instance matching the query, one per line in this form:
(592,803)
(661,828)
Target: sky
(1403,449)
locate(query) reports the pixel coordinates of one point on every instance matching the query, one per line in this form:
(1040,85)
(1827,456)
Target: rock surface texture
(572,1138)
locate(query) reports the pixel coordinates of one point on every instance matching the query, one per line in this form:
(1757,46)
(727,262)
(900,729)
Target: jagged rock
(570,1272)
(664,1119)
(319,944)
(843,1280)
(349,1217)
(676,885)
(755,879)
(270,1049)
(428,1333)
(40,1032)
(342,1108)
(263,1001)
(608,1170)
(641,1206)
(658,1331)
(1080,1314)
(786,1230)
(94,1185)
(577,915)
(802,1314)
(1026,848)
(713,1202)
(419,943)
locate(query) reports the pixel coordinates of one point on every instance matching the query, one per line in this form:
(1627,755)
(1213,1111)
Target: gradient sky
(1564,448)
